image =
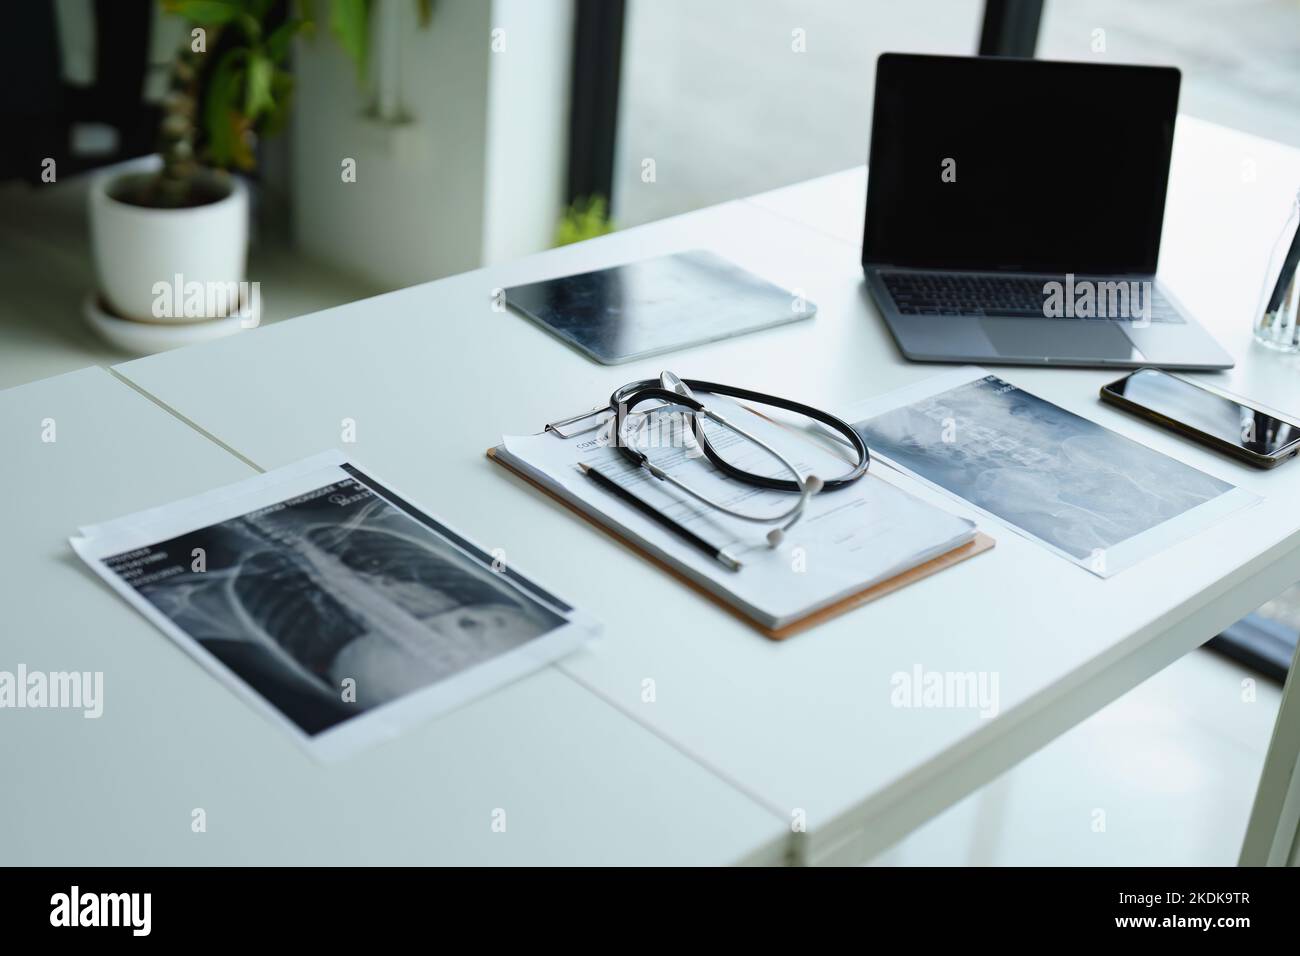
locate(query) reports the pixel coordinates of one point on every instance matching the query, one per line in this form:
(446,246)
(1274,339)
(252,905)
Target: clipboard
(574,426)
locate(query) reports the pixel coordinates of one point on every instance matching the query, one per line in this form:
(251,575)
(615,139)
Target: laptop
(1014,210)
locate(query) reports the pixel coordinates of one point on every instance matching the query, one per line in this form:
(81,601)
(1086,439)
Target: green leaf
(257,86)
(585,219)
(350,22)
(278,118)
(424,9)
(277,44)
(218,107)
(205,12)
(251,26)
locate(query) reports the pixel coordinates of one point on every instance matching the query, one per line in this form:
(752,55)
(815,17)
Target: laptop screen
(1018,165)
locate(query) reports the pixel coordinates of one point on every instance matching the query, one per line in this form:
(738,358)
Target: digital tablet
(657,305)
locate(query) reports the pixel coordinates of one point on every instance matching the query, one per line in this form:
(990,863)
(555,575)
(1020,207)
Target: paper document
(1091,495)
(848,539)
(330,603)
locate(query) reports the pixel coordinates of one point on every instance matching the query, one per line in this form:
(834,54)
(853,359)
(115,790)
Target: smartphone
(1224,424)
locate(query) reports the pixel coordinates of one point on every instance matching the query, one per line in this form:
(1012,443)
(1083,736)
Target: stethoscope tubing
(625,400)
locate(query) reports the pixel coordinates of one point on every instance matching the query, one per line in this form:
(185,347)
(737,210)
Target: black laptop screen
(1024,165)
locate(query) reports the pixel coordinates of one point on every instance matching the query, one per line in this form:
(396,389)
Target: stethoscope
(671,390)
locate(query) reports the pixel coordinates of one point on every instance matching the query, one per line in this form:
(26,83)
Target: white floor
(45,272)
(1164,776)
(1172,765)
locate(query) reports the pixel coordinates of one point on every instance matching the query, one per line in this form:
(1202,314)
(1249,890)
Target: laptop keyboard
(946,293)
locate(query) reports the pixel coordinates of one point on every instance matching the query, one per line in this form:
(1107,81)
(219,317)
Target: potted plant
(170,236)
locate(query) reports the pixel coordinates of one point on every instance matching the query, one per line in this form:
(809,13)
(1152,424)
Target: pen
(657,516)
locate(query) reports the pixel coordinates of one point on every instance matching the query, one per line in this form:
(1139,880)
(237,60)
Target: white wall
(528,121)
(476,172)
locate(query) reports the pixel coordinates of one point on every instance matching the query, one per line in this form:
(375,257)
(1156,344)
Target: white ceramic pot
(142,254)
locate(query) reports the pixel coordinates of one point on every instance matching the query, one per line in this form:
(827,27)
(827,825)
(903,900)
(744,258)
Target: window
(1240,58)
(732,97)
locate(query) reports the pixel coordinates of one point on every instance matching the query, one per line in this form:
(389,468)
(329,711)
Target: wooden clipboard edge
(977,545)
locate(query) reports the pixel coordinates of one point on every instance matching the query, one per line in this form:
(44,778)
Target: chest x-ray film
(332,604)
(1085,492)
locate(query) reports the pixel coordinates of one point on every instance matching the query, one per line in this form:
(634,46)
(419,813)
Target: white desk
(580,783)
(432,376)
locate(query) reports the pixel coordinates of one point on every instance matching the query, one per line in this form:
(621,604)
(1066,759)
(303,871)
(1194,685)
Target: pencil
(657,516)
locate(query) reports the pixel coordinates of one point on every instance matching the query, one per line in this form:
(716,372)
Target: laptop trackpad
(1060,339)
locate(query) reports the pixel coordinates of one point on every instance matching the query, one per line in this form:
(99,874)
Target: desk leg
(1273,834)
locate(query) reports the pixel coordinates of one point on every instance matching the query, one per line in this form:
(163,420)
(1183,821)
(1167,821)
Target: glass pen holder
(1277,317)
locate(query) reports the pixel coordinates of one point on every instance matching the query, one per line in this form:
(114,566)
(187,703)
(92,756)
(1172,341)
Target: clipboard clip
(585,422)
(581,423)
